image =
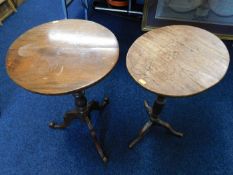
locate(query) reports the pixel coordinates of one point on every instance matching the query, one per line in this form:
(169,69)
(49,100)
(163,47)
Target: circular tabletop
(62,56)
(177,60)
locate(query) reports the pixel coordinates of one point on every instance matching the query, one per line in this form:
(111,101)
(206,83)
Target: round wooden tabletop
(178,60)
(62,56)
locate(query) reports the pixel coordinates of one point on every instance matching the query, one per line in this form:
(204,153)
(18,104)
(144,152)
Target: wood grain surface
(177,60)
(62,56)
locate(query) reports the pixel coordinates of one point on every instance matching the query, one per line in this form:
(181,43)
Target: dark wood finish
(82,111)
(149,22)
(177,60)
(62,56)
(154,119)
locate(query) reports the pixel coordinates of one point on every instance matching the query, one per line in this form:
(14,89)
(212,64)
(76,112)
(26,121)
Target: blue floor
(28,146)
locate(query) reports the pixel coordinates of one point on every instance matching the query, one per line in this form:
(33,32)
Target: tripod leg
(69,116)
(95,105)
(95,140)
(148,108)
(168,127)
(142,133)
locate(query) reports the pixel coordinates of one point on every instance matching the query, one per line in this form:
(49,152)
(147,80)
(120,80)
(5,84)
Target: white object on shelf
(183,5)
(222,7)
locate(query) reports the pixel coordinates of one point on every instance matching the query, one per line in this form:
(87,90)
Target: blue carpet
(28,146)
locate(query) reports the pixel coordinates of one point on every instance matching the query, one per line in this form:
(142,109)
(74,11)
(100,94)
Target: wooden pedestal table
(175,61)
(65,57)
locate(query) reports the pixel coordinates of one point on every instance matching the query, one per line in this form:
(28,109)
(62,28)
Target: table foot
(95,140)
(168,127)
(69,117)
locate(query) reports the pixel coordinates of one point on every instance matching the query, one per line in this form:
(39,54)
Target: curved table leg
(83,110)
(95,105)
(142,133)
(69,116)
(168,127)
(95,140)
(153,113)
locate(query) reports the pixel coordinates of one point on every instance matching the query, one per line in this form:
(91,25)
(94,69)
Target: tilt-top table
(65,57)
(175,61)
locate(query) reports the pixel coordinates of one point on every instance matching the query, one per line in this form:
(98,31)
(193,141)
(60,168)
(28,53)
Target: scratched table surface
(62,56)
(177,60)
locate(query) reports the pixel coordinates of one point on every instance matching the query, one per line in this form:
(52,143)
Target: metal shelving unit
(128,10)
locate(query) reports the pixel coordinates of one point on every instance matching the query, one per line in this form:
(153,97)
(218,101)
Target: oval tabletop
(177,60)
(62,56)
